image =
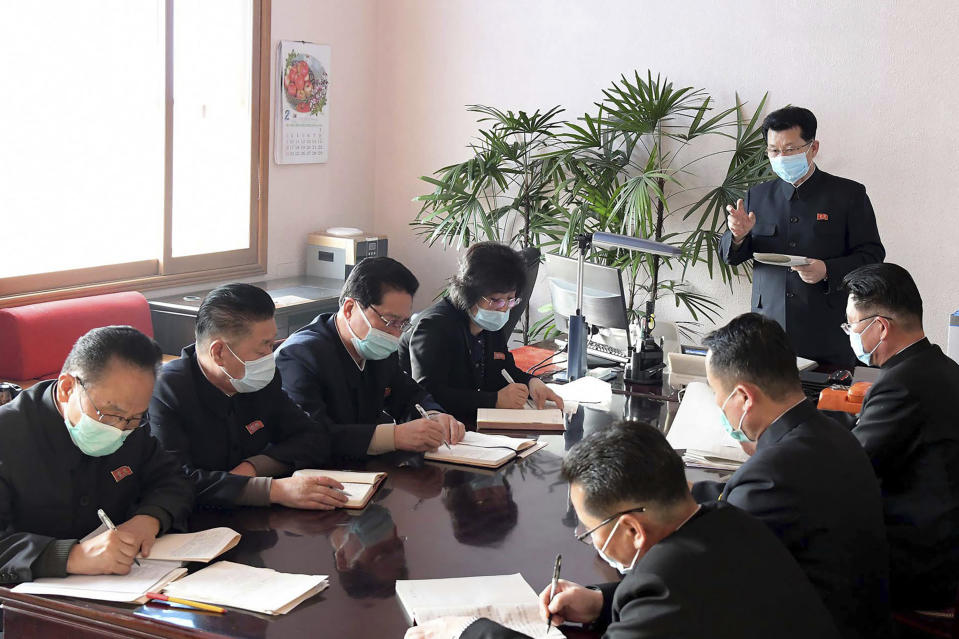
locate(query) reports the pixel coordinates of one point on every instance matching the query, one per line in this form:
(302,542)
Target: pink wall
(310,197)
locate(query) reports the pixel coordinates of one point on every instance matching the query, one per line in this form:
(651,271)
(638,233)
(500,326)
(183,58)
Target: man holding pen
(629,489)
(76,444)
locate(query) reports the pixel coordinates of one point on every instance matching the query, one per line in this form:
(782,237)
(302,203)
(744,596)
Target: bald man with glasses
(809,213)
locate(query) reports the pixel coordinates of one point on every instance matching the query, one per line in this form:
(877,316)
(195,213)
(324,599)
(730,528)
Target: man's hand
(442,628)
(419,435)
(739,222)
(813,272)
(571,602)
(512,396)
(309,493)
(109,553)
(144,530)
(540,393)
(454,428)
(244,468)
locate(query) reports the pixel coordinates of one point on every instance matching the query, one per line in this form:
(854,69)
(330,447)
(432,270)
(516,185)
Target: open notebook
(238,586)
(548,419)
(697,430)
(506,599)
(484,450)
(359,487)
(151,575)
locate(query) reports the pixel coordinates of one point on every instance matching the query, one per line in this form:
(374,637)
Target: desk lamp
(650,355)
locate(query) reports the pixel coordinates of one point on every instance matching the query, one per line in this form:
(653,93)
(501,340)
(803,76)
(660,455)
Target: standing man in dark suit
(910,431)
(457,349)
(343,367)
(690,570)
(808,480)
(221,411)
(810,213)
(75,444)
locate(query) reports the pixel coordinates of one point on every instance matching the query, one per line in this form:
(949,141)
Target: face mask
(490,320)
(93,438)
(623,569)
(259,373)
(377,344)
(790,167)
(855,340)
(736,434)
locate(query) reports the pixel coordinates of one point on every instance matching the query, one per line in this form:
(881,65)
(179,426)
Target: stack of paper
(590,391)
(237,586)
(548,419)
(697,429)
(151,575)
(359,487)
(201,546)
(506,599)
(488,451)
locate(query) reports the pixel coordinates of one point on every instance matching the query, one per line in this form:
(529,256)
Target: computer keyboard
(605,351)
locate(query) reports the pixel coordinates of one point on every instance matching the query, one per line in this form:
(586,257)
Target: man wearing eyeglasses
(808,213)
(909,429)
(343,367)
(689,570)
(76,444)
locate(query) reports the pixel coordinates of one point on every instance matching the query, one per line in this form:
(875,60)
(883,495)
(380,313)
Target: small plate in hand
(778,259)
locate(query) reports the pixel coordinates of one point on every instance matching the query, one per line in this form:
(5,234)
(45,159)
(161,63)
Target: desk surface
(426,521)
(288,292)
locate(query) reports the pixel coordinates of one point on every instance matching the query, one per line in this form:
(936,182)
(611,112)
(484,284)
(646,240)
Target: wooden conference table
(426,521)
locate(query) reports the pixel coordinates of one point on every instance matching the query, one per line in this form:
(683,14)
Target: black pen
(552,590)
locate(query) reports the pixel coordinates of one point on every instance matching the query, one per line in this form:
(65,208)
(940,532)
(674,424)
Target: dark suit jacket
(910,430)
(827,218)
(436,351)
(811,483)
(50,491)
(722,574)
(321,376)
(210,433)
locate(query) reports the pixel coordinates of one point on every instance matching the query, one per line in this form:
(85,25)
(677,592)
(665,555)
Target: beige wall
(879,75)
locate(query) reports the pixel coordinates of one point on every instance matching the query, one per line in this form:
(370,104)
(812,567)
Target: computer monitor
(604,303)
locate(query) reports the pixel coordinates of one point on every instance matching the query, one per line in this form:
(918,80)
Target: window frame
(167,270)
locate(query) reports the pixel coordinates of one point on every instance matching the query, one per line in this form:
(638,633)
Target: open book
(506,599)
(151,575)
(238,586)
(484,450)
(697,430)
(203,546)
(548,419)
(359,487)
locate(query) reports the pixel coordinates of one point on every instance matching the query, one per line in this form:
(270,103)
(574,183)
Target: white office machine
(334,252)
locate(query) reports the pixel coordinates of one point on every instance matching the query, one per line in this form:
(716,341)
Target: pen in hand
(509,380)
(109,524)
(426,415)
(552,590)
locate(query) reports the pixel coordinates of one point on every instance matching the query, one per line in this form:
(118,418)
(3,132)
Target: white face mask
(623,569)
(259,373)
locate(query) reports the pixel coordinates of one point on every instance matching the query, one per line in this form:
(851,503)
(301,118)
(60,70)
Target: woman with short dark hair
(457,348)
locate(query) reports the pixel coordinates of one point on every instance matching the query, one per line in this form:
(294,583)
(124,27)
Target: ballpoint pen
(509,380)
(552,589)
(426,415)
(109,524)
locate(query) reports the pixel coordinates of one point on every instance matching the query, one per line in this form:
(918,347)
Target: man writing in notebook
(629,490)
(221,411)
(73,445)
(344,367)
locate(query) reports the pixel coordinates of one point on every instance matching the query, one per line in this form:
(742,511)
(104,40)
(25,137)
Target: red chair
(36,339)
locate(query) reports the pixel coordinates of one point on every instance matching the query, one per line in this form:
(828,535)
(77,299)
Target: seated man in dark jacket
(75,444)
(688,568)
(343,367)
(221,411)
(808,480)
(457,349)
(909,429)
